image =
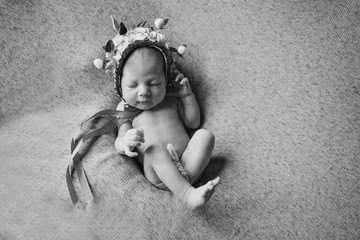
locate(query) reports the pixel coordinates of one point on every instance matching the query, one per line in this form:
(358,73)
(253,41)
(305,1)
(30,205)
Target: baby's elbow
(117,146)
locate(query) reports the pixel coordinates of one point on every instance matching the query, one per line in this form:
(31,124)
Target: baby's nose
(143,91)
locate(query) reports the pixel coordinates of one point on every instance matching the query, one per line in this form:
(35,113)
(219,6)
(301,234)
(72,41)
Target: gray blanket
(278,84)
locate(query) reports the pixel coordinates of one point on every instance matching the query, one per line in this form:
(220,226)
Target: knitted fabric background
(278,84)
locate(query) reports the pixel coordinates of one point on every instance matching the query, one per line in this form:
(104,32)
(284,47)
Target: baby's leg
(198,153)
(158,160)
(159,164)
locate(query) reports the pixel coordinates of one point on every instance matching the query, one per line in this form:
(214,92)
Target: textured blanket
(278,84)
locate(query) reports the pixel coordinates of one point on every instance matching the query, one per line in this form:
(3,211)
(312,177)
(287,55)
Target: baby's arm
(190,111)
(128,138)
(188,107)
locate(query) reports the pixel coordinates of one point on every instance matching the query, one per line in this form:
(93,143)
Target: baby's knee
(207,136)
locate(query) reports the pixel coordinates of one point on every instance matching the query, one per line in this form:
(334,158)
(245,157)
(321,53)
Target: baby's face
(143,81)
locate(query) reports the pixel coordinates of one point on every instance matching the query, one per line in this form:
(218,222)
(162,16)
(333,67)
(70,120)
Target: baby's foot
(199,196)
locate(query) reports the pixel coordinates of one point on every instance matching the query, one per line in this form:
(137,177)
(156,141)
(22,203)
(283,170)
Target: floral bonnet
(119,48)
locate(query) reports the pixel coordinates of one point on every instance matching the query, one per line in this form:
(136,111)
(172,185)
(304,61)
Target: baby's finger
(139,132)
(135,132)
(134,144)
(129,153)
(137,138)
(132,131)
(185,80)
(179,77)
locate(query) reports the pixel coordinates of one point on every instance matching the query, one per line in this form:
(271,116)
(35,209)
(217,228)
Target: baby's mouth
(147,101)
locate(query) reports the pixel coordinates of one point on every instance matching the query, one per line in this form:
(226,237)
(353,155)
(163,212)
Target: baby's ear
(173,72)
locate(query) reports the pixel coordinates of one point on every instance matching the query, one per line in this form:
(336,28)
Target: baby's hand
(132,138)
(184,90)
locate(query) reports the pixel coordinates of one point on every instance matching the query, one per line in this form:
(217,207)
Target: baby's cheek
(162,90)
(129,93)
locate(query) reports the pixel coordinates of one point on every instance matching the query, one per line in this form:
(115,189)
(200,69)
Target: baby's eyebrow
(130,81)
(152,77)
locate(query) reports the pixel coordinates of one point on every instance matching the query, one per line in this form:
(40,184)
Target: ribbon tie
(117,118)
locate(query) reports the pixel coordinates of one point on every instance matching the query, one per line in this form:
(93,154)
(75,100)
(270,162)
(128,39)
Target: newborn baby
(156,137)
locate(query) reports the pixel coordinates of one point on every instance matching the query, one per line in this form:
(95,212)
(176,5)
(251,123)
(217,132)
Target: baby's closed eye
(155,83)
(149,83)
(132,85)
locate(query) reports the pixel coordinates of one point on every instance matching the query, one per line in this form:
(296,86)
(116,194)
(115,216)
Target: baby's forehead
(146,55)
(145,59)
(148,52)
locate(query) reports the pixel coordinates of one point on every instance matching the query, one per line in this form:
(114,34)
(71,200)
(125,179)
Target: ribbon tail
(73,195)
(83,179)
(113,113)
(75,147)
(104,129)
(85,186)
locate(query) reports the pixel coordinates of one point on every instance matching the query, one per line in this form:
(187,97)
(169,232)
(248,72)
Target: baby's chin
(148,104)
(145,105)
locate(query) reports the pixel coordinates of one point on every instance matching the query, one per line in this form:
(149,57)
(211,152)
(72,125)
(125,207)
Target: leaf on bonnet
(109,46)
(123,29)
(139,25)
(166,21)
(115,23)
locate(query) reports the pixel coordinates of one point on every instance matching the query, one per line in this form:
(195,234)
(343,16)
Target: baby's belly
(163,134)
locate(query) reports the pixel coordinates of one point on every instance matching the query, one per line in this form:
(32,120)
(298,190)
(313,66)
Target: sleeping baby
(156,137)
(142,66)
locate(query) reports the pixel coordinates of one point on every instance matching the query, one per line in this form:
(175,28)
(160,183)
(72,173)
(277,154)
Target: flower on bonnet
(116,47)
